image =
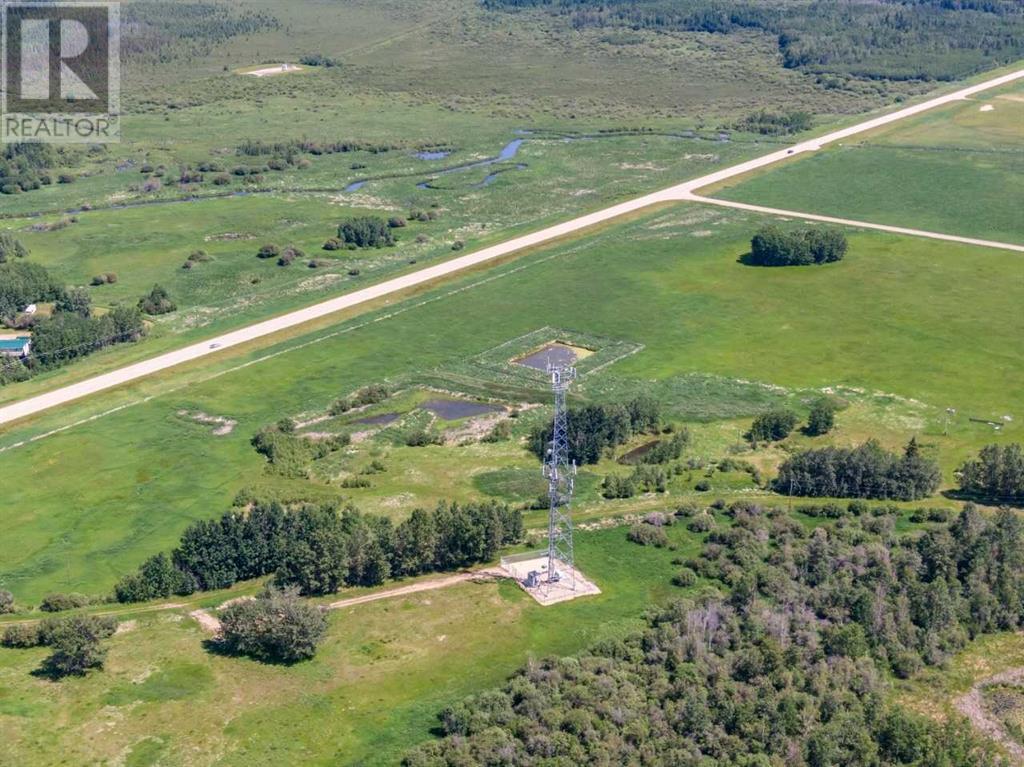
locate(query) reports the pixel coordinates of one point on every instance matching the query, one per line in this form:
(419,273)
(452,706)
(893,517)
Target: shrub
(156,302)
(6,602)
(222,179)
(773,425)
(703,486)
(458,245)
(65,178)
(702,523)
(21,635)
(276,627)
(646,535)
(421,438)
(397,222)
(685,578)
(76,644)
(57,602)
(334,244)
(269,250)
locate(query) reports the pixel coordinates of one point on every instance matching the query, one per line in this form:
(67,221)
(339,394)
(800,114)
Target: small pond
(454,409)
(380,420)
(555,354)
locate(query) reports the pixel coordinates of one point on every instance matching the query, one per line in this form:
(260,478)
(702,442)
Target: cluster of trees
(772,246)
(997,474)
(790,668)
(366,232)
(644,478)
(26,167)
(157,301)
(773,124)
(777,424)
(289,454)
(866,471)
(11,248)
(905,602)
(763,678)
(659,451)
(318,550)
(76,642)
(319,60)
(592,429)
(275,627)
(889,39)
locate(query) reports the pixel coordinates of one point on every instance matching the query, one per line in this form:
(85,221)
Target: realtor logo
(61,72)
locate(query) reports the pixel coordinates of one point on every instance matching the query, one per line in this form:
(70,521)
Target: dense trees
(772,124)
(318,550)
(867,471)
(68,335)
(772,246)
(997,474)
(789,669)
(595,428)
(366,232)
(276,627)
(22,284)
(888,39)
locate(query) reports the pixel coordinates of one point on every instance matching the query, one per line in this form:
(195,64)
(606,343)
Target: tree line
(888,39)
(996,475)
(318,550)
(866,471)
(789,668)
(593,429)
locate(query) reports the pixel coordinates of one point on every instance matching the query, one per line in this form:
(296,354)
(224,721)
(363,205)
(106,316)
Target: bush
(57,602)
(685,578)
(276,627)
(703,486)
(21,635)
(334,244)
(646,535)
(156,302)
(270,250)
(773,425)
(397,222)
(222,179)
(458,245)
(702,523)
(6,602)
(76,644)
(421,438)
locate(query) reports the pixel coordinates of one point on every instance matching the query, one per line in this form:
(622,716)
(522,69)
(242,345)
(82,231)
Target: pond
(380,420)
(454,409)
(554,354)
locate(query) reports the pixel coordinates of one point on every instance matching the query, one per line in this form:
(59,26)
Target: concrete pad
(571,583)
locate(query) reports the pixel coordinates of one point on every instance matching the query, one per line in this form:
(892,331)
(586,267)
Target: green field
(956,170)
(374,689)
(94,500)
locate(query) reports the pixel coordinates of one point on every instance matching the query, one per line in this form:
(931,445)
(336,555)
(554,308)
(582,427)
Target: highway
(686,191)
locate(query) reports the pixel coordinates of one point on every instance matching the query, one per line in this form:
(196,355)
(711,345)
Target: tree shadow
(964,496)
(219,647)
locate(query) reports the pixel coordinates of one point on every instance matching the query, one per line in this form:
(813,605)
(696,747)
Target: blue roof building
(15,347)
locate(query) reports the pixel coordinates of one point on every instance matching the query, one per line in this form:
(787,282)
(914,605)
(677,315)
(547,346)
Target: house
(15,347)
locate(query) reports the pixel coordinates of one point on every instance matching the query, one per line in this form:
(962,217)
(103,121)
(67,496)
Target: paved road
(685,191)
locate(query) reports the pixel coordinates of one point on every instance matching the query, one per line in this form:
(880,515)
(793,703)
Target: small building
(31,309)
(15,347)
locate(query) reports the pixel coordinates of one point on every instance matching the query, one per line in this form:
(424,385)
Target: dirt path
(680,192)
(211,624)
(972,706)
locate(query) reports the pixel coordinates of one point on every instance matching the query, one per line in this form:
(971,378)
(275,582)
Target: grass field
(956,170)
(94,500)
(374,689)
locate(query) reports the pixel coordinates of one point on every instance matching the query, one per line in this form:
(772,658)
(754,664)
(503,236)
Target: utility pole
(560,473)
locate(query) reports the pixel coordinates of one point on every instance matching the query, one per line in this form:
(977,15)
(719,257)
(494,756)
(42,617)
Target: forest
(790,668)
(887,39)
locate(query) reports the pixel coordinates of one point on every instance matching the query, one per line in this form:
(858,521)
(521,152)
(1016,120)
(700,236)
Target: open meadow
(955,170)
(716,342)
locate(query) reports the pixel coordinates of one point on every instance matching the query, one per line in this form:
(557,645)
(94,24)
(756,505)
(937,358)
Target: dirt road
(680,192)
(211,624)
(971,706)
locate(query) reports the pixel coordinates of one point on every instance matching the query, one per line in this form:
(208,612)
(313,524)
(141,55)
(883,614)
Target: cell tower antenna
(560,473)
